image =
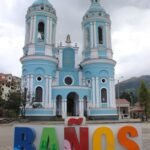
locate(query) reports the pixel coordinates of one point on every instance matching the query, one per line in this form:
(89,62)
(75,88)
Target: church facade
(55,83)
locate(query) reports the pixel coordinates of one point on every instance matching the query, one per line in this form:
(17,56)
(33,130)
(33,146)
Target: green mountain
(129,88)
(133,84)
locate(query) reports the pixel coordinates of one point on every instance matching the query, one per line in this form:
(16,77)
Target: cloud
(11,38)
(130,32)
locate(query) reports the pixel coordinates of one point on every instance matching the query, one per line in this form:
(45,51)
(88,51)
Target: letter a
(49,140)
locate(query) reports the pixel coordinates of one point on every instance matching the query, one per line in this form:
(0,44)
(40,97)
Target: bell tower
(98,64)
(39,60)
(41,23)
(96,29)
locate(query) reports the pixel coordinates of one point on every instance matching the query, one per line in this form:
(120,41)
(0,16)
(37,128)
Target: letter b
(24,138)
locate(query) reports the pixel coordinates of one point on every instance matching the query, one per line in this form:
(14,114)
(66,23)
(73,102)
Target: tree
(130,96)
(126,95)
(26,99)
(13,102)
(144,98)
(2,101)
(0,93)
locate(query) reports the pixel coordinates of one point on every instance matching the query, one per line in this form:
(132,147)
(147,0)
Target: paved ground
(6,134)
(146,136)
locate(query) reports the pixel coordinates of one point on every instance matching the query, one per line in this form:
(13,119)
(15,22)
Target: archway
(59,106)
(72,104)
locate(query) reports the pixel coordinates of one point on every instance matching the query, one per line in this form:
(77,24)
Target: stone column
(84,38)
(31,87)
(64,108)
(93,92)
(26,35)
(34,28)
(97,92)
(107,35)
(113,98)
(95,35)
(82,107)
(31,29)
(109,32)
(50,91)
(91,35)
(76,58)
(47,92)
(80,78)
(50,32)
(54,36)
(60,58)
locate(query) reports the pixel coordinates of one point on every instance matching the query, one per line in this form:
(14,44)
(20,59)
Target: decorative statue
(40,36)
(68,39)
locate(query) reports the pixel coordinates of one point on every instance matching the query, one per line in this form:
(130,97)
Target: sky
(130,32)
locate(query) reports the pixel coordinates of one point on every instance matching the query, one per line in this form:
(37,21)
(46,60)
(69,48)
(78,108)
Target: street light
(118,96)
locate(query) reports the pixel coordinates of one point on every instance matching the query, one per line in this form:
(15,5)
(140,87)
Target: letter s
(125,141)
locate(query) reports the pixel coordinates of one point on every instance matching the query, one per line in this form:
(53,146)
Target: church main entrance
(72,104)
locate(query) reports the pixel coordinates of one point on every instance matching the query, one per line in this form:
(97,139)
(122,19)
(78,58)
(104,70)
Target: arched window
(41,31)
(100,35)
(104,95)
(38,95)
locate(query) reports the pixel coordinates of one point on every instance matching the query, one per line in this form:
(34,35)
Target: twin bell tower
(54,82)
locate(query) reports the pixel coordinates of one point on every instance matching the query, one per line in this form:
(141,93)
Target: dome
(95,7)
(41,2)
(95,10)
(42,5)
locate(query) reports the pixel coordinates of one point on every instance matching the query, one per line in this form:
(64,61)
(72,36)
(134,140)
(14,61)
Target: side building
(9,83)
(55,83)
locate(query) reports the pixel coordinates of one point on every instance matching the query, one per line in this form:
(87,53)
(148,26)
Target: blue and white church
(55,83)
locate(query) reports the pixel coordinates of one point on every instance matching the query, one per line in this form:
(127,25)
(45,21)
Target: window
(88,82)
(104,95)
(68,80)
(100,35)
(42,8)
(39,78)
(41,31)
(103,80)
(38,95)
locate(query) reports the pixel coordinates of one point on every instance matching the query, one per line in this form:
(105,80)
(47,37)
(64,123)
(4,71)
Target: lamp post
(118,96)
